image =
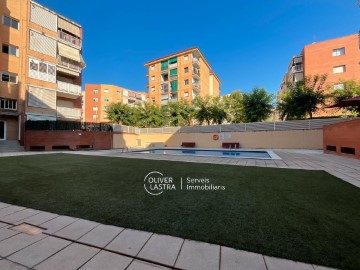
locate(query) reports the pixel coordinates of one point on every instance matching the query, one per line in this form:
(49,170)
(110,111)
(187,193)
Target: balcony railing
(75,41)
(196,73)
(164,102)
(69,88)
(297,68)
(68,112)
(196,61)
(68,63)
(164,97)
(173,65)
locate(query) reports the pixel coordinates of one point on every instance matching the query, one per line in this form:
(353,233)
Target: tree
(234,107)
(202,106)
(257,105)
(181,113)
(303,98)
(217,110)
(350,89)
(152,116)
(122,114)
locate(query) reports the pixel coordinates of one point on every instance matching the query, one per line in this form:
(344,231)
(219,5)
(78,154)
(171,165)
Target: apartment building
(97,98)
(41,67)
(181,75)
(339,58)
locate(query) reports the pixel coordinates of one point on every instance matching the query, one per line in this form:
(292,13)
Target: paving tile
(3,205)
(17,242)
(101,235)
(3,225)
(57,223)
(198,255)
(77,229)
(129,241)
(14,217)
(39,218)
(105,260)
(232,259)
(6,233)
(70,258)
(273,263)
(140,265)
(36,253)
(7,265)
(162,248)
(9,210)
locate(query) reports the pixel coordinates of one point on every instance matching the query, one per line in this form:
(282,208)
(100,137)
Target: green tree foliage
(152,116)
(202,107)
(234,107)
(351,89)
(123,114)
(257,105)
(217,110)
(303,98)
(180,113)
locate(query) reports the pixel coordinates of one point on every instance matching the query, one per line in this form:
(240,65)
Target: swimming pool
(210,152)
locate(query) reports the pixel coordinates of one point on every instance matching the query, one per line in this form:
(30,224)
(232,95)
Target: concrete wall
(346,134)
(99,140)
(292,139)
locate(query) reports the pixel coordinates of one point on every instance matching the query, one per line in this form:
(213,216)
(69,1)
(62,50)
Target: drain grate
(28,229)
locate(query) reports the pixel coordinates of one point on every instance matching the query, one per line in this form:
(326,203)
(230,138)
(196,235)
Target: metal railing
(68,63)
(75,41)
(69,88)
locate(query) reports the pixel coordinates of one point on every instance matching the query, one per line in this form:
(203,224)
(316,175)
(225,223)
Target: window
(339,69)
(186,94)
(186,70)
(153,78)
(43,67)
(106,99)
(174,86)
(95,99)
(339,51)
(186,82)
(8,104)
(105,116)
(9,49)
(95,108)
(173,72)
(338,86)
(10,22)
(42,71)
(95,91)
(186,57)
(118,92)
(95,116)
(164,65)
(8,77)
(106,108)
(173,60)
(153,89)
(106,90)
(153,67)
(153,100)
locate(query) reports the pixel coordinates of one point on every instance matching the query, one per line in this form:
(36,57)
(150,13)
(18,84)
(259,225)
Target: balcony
(196,62)
(196,87)
(68,90)
(297,68)
(164,102)
(196,74)
(69,39)
(164,97)
(164,88)
(73,113)
(72,67)
(174,65)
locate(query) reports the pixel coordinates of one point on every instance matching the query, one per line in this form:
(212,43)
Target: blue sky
(247,43)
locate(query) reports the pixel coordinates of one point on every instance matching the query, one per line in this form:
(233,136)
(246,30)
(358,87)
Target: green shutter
(173,72)
(174,86)
(173,60)
(164,65)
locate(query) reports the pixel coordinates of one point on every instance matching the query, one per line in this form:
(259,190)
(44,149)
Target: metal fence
(243,127)
(66,125)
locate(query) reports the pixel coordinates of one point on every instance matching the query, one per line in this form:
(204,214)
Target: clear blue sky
(247,43)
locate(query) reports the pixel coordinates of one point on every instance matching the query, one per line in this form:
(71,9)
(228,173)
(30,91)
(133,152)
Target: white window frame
(9,49)
(337,51)
(335,69)
(7,106)
(11,20)
(95,108)
(95,100)
(10,75)
(186,82)
(95,116)
(186,94)
(152,67)
(186,57)
(106,91)
(95,91)
(153,78)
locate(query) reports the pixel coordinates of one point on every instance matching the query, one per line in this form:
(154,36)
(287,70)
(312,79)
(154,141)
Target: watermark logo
(156,183)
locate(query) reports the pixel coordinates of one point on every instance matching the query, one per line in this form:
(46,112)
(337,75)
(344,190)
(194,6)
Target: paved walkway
(70,243)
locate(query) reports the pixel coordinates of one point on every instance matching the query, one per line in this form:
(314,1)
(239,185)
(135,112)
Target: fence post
(274,126)
(245,126)
(309,124)
(220,128)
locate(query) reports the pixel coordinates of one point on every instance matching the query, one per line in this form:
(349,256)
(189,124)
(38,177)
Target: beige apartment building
(181,75)
(98,97)
(40,66)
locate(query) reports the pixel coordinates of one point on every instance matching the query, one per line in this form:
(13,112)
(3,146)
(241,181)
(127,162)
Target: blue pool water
(204,152)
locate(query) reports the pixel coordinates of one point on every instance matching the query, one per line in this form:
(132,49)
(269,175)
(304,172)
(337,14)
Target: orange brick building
(339,58)
(97,98)
(181,75)
(40,67)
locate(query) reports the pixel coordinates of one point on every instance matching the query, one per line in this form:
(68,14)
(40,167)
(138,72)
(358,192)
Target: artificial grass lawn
(308,216)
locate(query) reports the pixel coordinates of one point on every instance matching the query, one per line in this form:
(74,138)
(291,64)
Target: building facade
(339,58)
(41,67)
(98,97)
(182,75)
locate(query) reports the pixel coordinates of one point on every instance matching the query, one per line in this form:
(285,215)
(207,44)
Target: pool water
(204,152)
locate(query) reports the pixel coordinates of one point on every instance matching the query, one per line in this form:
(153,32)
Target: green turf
(308,216)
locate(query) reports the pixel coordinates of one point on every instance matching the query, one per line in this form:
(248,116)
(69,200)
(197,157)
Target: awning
(71,28)
(351,102)
(69,52)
